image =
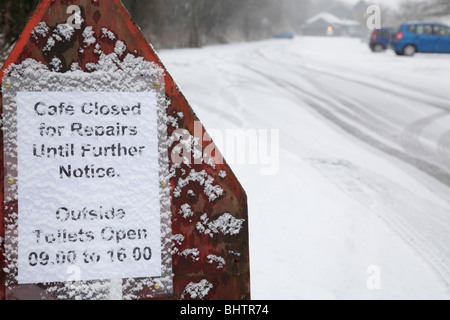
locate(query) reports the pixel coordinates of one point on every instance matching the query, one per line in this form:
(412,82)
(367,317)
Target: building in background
(327,24)
(340,19)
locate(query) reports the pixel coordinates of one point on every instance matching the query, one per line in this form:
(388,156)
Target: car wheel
(409,50)
(378,48)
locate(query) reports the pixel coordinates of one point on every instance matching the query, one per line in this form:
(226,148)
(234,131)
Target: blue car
(379,41)
(411,38)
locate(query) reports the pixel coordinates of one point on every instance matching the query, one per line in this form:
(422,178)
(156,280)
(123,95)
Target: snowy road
(364,165)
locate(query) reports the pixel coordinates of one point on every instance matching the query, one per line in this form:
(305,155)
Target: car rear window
(385,32)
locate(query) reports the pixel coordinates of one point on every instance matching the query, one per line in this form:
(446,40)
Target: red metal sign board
(209,260)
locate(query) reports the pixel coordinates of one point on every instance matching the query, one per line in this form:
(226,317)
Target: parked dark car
(380,39)
(411,38)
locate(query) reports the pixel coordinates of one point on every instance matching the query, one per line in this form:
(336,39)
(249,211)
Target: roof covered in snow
(331,19)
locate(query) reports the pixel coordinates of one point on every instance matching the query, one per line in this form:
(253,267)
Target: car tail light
(399,36)
(374,36)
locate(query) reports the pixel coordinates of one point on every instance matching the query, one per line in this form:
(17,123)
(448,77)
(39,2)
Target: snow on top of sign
(178,238)
(89,38)
(174,241)
(10,240)
(49,45)
(56,64)
(204,179)
(129,63)
(216,259)
(235,253)
(75,66)
(197,290)
(41,30)
(120,48)
(74,290)
(186,211)
(226,224)
(193,253)
(188,143)
(108,34)
(62,33)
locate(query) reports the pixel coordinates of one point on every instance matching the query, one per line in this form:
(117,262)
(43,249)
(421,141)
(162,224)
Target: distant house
(327,24)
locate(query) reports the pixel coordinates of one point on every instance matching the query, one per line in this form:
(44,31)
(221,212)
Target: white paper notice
(88,186)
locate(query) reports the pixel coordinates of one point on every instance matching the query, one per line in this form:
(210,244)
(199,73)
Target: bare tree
(439,8)
(420,10)
(412,10)
(181,23)
(14,15)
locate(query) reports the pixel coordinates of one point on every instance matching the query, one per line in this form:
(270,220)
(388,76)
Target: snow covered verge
(360,206)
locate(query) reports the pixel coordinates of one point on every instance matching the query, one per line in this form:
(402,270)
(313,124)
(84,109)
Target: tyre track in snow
(443,146)
(425,228)
(327,108)
(393,204)
(401,89)
(413,133)
(410,136)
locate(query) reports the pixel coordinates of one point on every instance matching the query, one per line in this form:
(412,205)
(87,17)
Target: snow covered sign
(94,204)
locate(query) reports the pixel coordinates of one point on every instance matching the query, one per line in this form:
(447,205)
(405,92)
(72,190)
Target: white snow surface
(364,163)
